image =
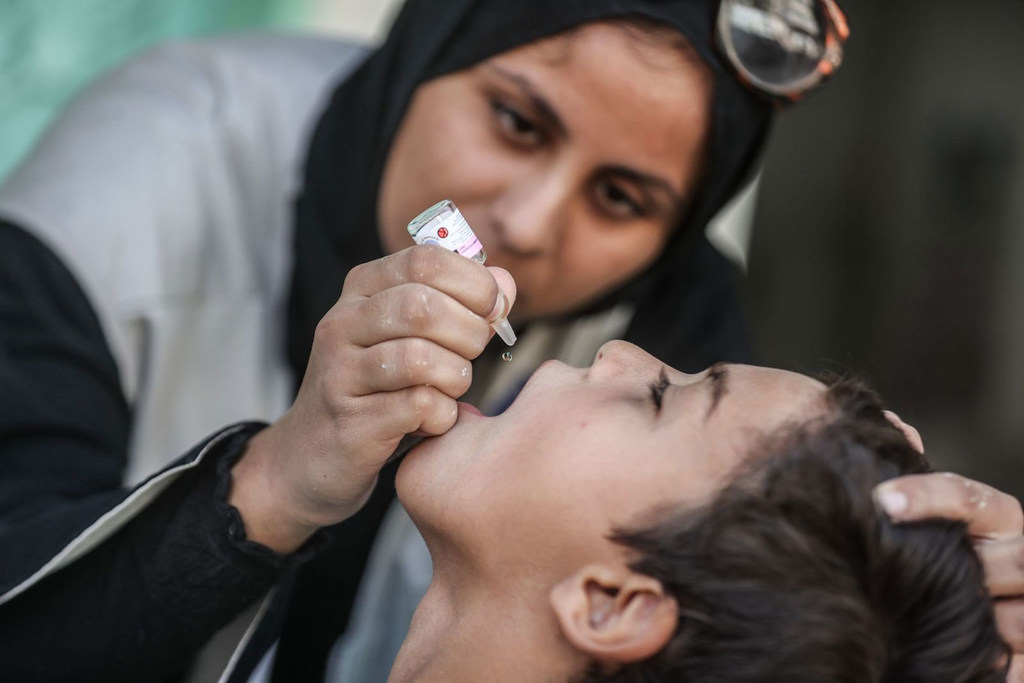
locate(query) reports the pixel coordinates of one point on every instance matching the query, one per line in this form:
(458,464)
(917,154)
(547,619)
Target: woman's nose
(530,215)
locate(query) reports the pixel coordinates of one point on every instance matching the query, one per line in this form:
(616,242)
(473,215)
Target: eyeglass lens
(777,41)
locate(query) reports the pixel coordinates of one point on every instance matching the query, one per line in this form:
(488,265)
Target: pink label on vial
(471,249)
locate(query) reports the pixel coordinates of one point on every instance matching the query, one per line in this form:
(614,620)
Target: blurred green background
(50,48)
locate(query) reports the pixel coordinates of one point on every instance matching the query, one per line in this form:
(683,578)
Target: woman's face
(532,494)
(572,159)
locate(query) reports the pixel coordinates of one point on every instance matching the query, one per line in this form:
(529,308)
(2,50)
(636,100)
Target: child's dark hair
(792,574)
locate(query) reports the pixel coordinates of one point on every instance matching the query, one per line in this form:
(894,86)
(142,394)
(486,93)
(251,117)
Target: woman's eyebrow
(718,375)
(540,104)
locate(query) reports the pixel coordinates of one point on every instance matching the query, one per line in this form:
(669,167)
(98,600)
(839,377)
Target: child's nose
(616,357)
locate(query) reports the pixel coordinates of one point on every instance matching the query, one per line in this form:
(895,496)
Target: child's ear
(613,614)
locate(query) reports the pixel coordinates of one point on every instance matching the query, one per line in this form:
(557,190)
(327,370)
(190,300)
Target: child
(628,522)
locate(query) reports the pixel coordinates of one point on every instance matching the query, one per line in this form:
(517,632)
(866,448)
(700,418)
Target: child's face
(527,497)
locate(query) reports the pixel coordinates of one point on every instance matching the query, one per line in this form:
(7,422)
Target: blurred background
(49,49)
(886,235)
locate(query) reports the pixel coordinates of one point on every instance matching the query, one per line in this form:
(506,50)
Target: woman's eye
(658,389)
(615,201)
(517,127)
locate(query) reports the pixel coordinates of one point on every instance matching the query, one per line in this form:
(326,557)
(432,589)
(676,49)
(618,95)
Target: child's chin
(417,473)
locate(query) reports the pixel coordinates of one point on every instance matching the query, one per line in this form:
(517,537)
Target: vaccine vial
(443,225)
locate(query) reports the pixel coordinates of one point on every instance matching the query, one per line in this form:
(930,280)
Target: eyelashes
(715,372)
(517,127)
(658,388)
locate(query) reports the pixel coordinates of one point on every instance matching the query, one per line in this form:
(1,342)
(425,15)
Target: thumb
(507,285)
(988,512)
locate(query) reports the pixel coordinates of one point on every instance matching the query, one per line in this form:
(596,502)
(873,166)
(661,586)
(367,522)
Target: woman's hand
(994,520)
(388,359)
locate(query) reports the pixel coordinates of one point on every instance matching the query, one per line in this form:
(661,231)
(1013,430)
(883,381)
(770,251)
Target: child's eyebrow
(718,375)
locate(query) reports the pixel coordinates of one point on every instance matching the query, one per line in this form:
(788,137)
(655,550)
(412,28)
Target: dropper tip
(504,330)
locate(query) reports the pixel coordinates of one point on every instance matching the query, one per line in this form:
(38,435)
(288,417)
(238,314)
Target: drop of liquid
(507,356)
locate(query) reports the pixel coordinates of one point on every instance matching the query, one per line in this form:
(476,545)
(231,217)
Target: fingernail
(892,501)
(500,308)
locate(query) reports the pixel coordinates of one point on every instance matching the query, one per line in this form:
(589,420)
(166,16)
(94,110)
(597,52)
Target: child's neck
(475,638)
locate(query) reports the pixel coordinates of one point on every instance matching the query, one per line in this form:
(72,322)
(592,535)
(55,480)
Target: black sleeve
(63,419)
(137,606)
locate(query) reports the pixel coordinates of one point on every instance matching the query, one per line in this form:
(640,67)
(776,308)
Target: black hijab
(687,309)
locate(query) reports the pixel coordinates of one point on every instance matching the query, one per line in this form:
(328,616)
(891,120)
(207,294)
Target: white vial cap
(504,331)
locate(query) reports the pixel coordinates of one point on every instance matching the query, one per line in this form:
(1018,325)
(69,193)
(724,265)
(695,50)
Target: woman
(597,157)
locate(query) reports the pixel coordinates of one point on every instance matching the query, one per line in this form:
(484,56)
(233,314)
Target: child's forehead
(775,389)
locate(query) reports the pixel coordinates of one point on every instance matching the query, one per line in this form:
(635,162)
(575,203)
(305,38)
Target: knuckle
(373,312)
(465,378)
(952,496)
(415,305)
(335,381)
(334,327)
(415,354)
(423,263)
(337,401)
(965,501)
(440,419)
(355,274)
(443,417)
(449,416)
(979,496)
(383,361)
(326,329)
(421,398)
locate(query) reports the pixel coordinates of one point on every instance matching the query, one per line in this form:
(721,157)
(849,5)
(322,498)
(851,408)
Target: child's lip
(469,408)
